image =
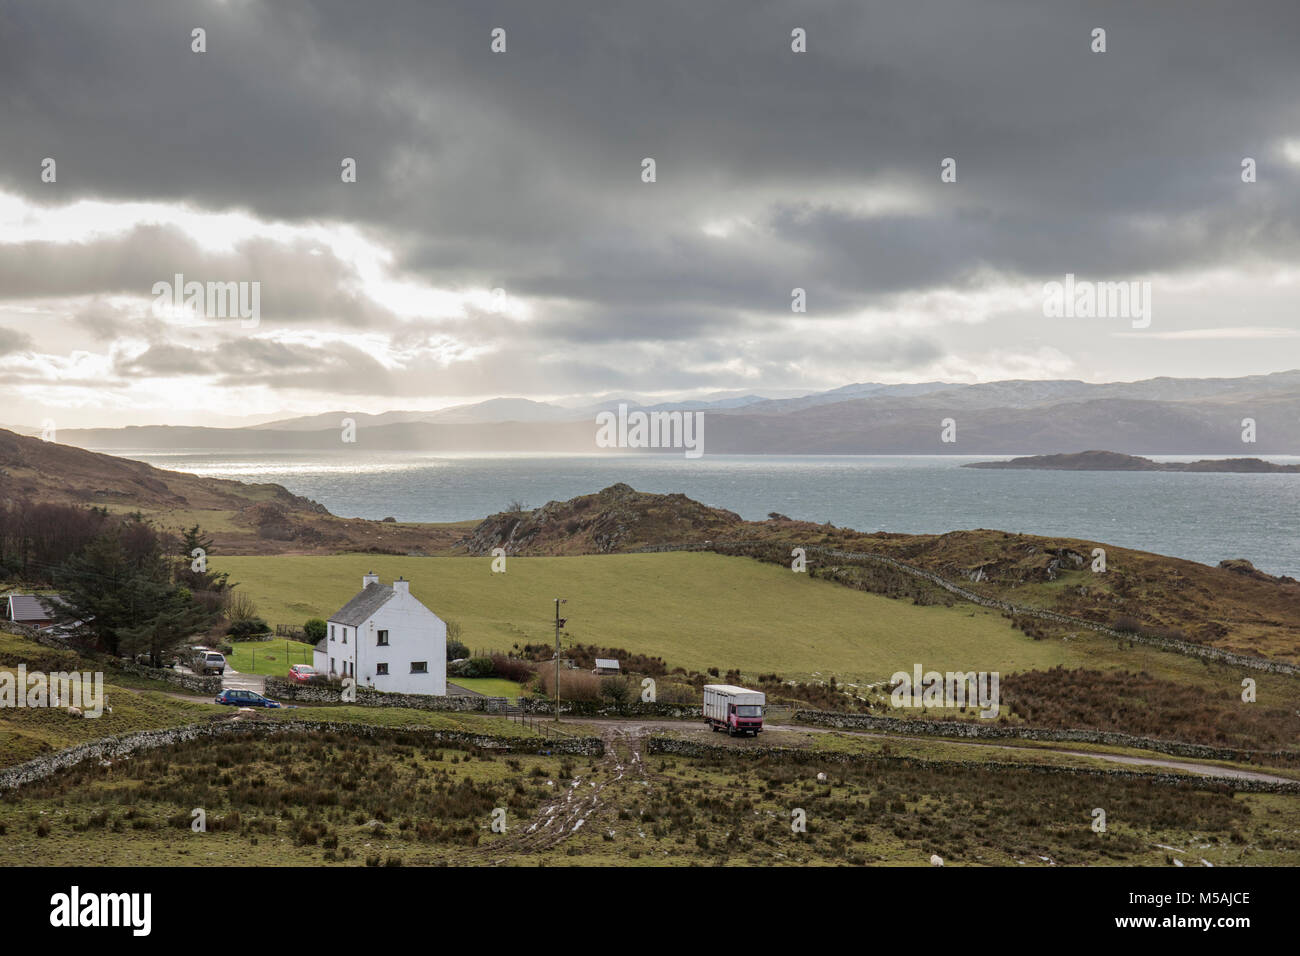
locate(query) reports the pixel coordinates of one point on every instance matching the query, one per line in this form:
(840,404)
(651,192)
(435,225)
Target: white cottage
(386,639)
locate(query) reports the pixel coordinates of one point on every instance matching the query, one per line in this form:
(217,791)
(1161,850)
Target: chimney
(402,586)
(369,578)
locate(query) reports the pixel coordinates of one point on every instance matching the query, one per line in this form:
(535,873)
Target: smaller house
(606,665)
(31,609)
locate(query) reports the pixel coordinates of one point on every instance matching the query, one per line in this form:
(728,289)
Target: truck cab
(746,717)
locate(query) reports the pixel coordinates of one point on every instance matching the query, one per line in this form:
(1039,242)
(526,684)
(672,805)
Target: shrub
(314,630)
(574,685)
(241,607)
(615,690)
(248,627)
(455,649)
(511,668)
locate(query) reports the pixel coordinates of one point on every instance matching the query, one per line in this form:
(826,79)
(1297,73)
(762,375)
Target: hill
(1232,606)
(238,515)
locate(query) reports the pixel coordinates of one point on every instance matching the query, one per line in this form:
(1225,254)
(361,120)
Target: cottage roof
(30,607)
(366,602)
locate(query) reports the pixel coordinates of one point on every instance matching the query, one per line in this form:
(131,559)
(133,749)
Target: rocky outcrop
(615,519)
(1247,570)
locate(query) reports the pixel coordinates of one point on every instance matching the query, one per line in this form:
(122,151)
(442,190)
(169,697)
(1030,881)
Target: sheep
(936,859)
(74,711)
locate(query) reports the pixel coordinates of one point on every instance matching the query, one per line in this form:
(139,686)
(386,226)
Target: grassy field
(273,657)
(695,610)
(491,686)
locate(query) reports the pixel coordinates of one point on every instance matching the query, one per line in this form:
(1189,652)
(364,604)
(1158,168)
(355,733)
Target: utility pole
(559,623)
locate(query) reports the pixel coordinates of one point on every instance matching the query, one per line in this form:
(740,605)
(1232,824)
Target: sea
(1200,517)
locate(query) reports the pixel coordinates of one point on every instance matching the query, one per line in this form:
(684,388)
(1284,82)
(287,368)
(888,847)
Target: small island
(1114,461)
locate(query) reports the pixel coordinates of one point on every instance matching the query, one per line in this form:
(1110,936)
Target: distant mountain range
(1155,416)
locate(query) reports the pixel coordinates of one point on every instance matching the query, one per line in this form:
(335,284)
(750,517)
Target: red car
(302,673)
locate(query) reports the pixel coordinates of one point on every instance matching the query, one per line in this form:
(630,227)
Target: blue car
(245,698)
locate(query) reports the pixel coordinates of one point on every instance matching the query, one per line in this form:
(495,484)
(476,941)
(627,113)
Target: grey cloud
(299,281)
(12,340)
(522,170)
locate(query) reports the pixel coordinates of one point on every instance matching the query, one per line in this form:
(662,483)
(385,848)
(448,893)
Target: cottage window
(383,638)
(381,670)
(419,667)
(331,632)
(345,635)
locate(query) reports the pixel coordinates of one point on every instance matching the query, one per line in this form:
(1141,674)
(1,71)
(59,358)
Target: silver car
(209,662)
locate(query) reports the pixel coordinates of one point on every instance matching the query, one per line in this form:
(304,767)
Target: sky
(500,238)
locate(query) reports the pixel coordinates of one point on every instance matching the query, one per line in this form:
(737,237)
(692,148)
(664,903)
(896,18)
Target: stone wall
(321,693)
(961,728)
(124,745)
(22,630)
(600,708)
(190,682)
(680,747)
(318,693)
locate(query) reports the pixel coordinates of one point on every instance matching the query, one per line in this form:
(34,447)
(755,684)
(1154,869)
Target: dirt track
(578,800)
(1190,766)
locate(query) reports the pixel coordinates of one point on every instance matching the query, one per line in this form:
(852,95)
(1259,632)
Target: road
(233,680)
(635,728)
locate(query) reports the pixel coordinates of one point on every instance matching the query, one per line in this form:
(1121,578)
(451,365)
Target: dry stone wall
(124,745)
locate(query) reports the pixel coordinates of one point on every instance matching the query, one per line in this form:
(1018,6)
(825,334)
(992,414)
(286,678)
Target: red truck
(737,710)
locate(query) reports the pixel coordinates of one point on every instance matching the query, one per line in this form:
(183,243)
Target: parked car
(302,673)
(209,662)
(245,698)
